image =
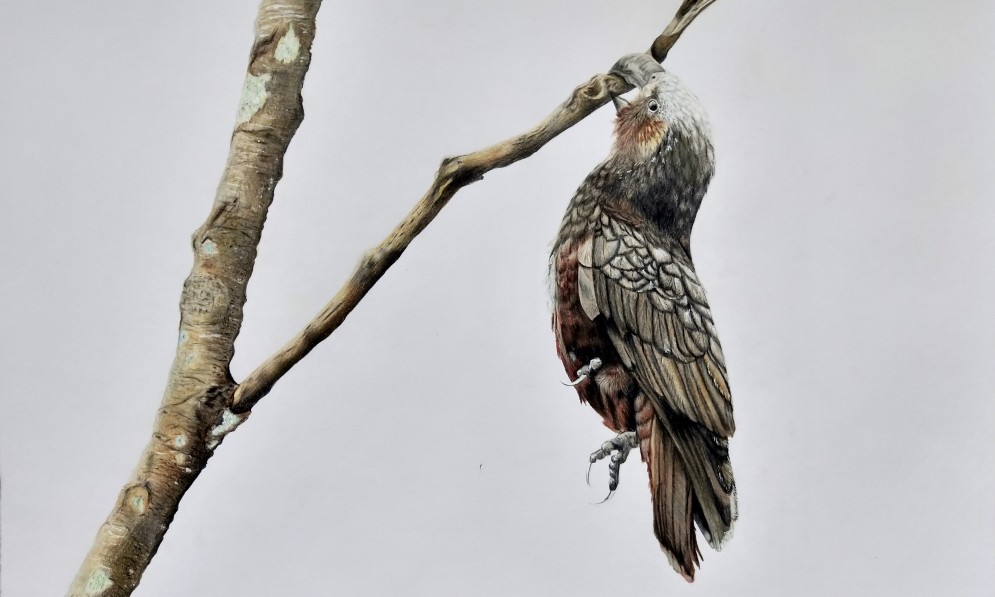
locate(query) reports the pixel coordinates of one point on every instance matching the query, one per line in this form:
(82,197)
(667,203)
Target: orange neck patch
(638,134)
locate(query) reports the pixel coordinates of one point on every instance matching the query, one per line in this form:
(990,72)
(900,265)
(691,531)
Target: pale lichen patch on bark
(179,441)
(254,96)
(289,47)
(137,499)
(209,247)
(229,421)
(98,582)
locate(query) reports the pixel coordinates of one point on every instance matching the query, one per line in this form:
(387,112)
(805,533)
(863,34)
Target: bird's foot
(618,448)
(586,371)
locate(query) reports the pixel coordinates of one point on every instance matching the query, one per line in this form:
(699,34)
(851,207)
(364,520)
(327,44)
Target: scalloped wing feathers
(662,326)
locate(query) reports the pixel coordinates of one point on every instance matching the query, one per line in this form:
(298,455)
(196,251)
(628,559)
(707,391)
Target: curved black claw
(618,448)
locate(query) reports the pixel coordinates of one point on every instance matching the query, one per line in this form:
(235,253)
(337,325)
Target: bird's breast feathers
(638,136)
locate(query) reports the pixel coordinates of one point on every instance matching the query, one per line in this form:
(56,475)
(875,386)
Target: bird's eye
(653,106)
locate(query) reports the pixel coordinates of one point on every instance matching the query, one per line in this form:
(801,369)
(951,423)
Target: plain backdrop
(428,447)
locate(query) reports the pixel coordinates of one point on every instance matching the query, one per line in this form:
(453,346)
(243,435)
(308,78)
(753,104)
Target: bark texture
(193,417)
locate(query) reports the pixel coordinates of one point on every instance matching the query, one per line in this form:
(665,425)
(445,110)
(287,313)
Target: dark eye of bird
(652,106)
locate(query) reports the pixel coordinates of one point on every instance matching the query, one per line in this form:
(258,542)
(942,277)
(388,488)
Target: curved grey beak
(620,102)
(636,69)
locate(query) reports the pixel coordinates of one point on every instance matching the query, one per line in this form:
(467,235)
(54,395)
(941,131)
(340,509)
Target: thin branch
(688,12)
(453,174)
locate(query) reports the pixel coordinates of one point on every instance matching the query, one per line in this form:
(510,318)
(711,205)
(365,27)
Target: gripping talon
(607,497)
(579,379)
(618,450)
(585,372)
(602,452)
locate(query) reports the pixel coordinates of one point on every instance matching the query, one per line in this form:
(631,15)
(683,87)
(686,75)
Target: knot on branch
(592,92)
(596,92)
(450,166)
(616,85)
(595,88)
(458,170)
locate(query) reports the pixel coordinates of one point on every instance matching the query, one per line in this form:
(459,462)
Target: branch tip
(686,14)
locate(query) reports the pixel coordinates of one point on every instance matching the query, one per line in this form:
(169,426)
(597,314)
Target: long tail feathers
(690,481)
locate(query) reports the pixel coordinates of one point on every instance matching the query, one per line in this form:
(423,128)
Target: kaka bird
(632,325)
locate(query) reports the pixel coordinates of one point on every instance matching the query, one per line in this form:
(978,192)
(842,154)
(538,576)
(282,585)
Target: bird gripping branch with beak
(632,324)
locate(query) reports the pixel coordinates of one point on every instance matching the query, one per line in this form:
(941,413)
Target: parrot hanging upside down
(632,324)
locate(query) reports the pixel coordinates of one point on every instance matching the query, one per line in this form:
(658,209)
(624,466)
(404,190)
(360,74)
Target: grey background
(428,447)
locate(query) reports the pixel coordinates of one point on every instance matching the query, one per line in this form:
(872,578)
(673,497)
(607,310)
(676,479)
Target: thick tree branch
(453,174)
(193,418)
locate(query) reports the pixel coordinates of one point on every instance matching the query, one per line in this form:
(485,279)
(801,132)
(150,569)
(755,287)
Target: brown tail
(690,481)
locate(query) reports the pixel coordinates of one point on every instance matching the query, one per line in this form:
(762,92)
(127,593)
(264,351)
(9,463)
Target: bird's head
(640,127)
(662,115)
(662,158)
